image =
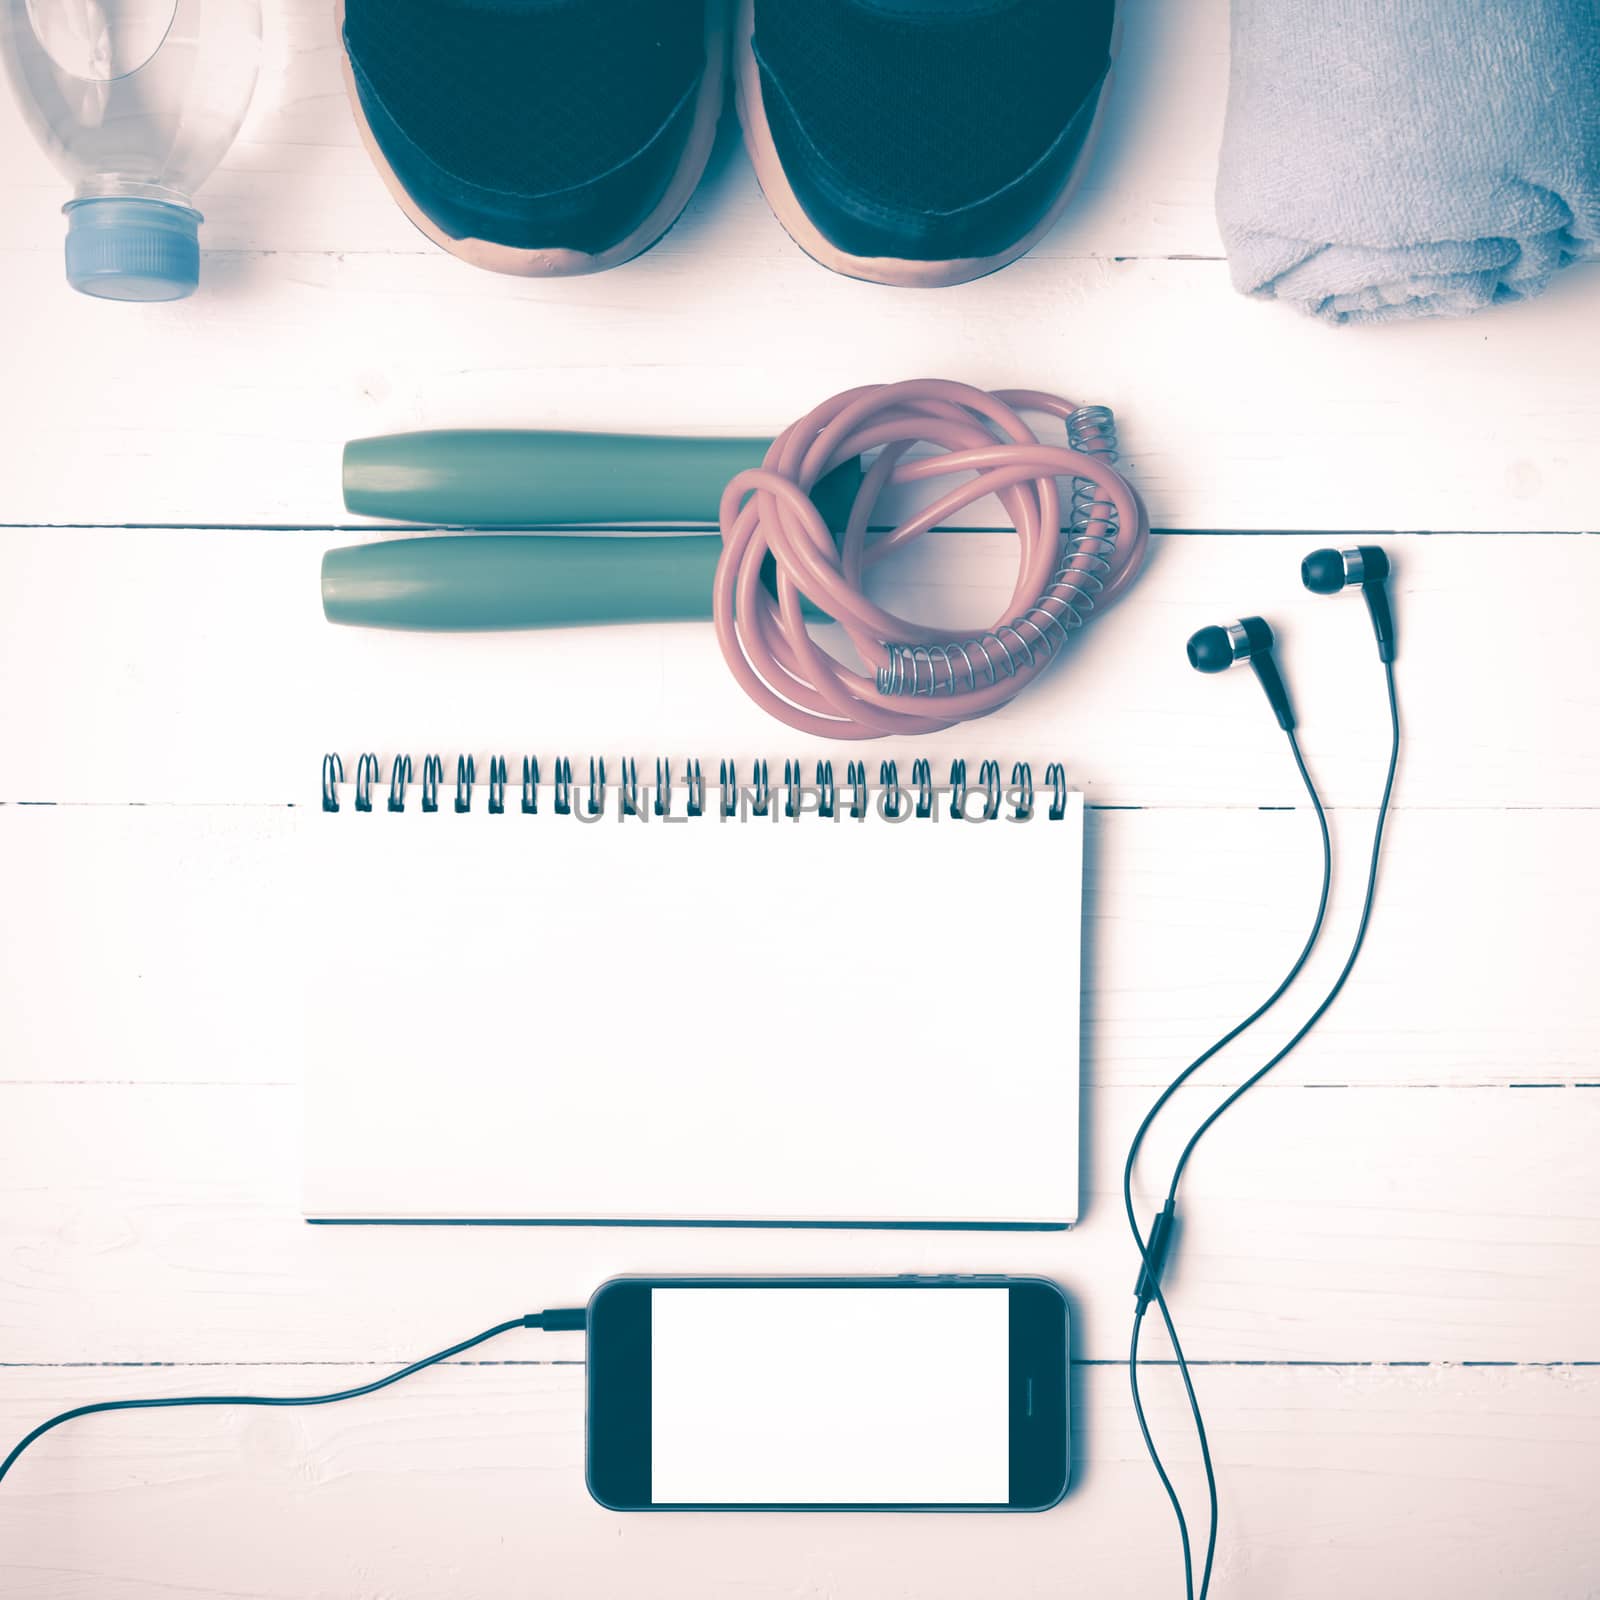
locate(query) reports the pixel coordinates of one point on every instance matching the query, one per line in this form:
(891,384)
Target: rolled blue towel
(1407,158)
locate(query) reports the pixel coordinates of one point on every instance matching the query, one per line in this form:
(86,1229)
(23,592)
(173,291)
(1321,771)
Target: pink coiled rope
(921,679)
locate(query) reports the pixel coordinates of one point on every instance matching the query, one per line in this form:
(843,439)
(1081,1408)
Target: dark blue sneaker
(537,136)
(921,141)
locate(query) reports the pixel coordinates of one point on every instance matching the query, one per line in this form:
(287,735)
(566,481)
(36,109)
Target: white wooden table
(1391,1268)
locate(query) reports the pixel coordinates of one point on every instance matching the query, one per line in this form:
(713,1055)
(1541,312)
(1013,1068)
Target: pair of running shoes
(911,142)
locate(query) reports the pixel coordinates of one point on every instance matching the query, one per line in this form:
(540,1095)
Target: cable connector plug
(566,1320)
(1155,1258)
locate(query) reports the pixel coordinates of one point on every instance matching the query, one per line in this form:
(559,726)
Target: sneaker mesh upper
(935,110)
(528,97)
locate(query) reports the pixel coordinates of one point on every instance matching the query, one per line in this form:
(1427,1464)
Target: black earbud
(1249,639)
(1329,571)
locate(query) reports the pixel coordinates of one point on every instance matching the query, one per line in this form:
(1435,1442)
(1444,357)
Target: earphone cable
(549,1320)
(1155,1455)
(1212,1502)
(1151,1272)
(1256,1015)
(1350,960)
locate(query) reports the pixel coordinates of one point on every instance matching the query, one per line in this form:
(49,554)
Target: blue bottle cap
(124,249)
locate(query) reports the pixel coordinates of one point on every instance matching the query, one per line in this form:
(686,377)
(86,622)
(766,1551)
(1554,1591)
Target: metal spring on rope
(1091,538)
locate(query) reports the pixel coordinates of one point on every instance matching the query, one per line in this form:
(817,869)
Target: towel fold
(1405,158)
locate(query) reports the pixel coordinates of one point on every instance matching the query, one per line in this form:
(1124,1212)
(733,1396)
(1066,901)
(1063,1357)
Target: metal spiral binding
(963,665)
(332,777)
(399,777)
(1056,776)
(889,790)
(366,776)
(894,800)
(855,775)
(596,803)
(432,777)
(989,782)
(1022,782)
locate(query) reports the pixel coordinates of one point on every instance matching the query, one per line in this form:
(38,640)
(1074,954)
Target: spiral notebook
(653,992)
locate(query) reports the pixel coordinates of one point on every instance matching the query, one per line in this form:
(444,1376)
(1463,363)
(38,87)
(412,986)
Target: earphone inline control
(1213,650)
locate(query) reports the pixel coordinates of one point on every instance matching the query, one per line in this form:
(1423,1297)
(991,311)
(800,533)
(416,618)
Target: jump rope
(917,679)
(920,679)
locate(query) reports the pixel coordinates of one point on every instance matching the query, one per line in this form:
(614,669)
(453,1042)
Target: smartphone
(828,1394)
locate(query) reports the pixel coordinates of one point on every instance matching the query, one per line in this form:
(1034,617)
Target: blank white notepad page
(539,1018)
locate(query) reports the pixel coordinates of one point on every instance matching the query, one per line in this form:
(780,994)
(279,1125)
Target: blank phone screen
(830,1396)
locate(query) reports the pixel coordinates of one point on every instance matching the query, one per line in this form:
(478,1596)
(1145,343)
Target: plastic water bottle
(136,102)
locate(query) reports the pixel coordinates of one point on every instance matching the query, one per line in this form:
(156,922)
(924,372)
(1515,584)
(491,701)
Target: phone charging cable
(564,1320)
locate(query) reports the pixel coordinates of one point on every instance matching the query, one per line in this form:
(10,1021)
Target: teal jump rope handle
(455,583)
(507,477)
